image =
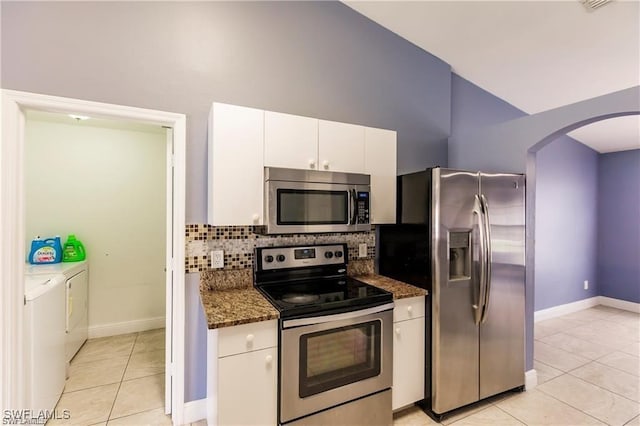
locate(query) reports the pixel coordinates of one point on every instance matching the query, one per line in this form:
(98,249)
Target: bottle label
(44,255)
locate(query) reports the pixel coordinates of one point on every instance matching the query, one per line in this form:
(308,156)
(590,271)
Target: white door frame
(12,235)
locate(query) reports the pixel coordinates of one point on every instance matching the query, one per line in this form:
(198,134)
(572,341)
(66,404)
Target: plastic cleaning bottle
(45,251)
(73,250)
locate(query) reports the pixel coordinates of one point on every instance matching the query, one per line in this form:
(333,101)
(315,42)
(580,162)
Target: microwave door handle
(354,211)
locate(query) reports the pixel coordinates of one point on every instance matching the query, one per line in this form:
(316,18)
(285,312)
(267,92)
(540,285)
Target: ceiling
(536,55)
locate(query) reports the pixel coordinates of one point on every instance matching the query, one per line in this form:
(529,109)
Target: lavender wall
(504,146)
(320,59)
(619,225)
(566,223)
(473,108)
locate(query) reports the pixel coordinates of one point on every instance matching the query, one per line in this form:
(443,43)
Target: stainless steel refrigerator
(461,235)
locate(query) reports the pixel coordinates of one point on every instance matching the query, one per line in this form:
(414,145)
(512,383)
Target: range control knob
(268,258)
(280,258)
(338,253)
(328,254)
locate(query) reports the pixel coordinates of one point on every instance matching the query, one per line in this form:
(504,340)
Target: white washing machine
(76,276)
(44,340)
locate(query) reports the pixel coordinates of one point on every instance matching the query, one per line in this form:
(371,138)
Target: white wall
(105,182)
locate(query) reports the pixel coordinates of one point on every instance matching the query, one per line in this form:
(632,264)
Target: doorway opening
(104,182)
(164,308)
(545,137)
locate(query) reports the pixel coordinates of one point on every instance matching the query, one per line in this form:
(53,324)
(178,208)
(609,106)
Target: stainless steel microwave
(310,201)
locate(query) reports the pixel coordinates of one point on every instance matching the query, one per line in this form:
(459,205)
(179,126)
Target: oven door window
(312,207)
(337,357)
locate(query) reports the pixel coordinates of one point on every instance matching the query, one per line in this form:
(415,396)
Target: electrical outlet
(217,258)
(586,284)
(362,250)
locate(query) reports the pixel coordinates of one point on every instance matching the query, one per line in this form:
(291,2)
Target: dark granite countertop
(229,298)
(400,290)
(226,308)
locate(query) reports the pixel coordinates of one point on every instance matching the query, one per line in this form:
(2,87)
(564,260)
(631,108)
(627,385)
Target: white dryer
(76,276)
(44,340)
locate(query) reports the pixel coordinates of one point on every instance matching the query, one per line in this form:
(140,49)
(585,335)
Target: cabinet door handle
(409,309)
(325,164)
(249,338)
(398,331)
(256,217)
(312,164)
(268,359)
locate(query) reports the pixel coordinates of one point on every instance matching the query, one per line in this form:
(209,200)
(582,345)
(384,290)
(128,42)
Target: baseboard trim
(125,327)
(194,411)
(557,311)
(620,304)
(530,379)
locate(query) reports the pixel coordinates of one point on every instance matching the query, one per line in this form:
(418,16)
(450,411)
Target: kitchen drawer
(406,309)
(247,337)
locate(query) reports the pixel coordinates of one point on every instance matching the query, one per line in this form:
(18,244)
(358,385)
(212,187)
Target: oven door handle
(336,317)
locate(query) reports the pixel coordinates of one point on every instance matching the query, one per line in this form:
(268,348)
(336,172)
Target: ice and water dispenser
(459,255)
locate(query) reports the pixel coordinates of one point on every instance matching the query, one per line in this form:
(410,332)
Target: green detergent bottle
(73,250)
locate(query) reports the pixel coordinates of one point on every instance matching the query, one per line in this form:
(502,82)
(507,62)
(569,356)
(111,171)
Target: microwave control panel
(362,203)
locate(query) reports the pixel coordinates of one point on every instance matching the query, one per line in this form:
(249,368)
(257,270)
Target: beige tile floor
(117,380)
(588,369)
(587,362)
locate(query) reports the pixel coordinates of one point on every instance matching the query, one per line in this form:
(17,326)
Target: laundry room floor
(117,380)
(588,369)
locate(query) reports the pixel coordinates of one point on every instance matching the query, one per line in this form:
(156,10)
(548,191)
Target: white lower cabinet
(242,377)
(247,388)
(408,352)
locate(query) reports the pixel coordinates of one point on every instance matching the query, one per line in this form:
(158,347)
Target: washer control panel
(300,256)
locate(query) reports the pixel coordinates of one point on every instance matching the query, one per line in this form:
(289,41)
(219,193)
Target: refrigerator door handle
(487,258)
(478,305)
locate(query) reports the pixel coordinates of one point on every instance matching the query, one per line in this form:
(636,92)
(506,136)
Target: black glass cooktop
(323,296)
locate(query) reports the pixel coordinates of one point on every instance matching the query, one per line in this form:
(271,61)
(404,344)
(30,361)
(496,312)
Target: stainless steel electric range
(335,357)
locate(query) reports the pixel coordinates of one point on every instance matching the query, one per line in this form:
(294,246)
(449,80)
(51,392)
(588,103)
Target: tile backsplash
(238,243)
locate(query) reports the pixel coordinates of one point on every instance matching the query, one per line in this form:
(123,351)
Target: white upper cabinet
(242,141)
(380,163)
(340,147)
(290,141)
(236,161)
(297,142)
